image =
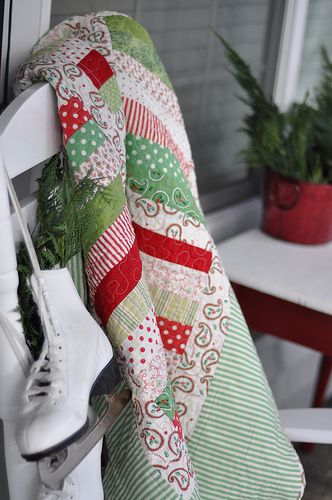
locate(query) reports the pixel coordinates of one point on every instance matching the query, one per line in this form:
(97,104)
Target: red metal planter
(297,211)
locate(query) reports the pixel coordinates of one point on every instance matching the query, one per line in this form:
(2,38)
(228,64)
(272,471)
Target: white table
(286,290)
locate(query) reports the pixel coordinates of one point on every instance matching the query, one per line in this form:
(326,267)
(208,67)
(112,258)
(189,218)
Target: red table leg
(267,314)
(289,321)
(322,380)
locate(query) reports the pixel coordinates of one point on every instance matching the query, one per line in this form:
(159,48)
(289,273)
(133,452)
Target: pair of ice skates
(56,426)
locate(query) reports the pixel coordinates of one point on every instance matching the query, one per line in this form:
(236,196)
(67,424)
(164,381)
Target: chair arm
(312,425)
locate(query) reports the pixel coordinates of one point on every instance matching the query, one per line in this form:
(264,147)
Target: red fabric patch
(174,335)
(96,68)
(73,116)
(176,251)
(116,285)
(177,425)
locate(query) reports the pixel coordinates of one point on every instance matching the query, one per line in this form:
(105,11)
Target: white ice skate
(73,366)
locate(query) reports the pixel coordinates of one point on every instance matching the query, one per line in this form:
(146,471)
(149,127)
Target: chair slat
(30,129)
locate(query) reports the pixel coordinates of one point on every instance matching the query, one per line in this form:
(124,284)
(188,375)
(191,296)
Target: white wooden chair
(30,133)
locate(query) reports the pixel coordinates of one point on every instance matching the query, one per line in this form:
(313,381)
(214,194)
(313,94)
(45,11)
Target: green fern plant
(66,215)
(296,143)
(26,306)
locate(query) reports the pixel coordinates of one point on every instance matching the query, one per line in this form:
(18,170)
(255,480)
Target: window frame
(17,44)
(290,52)
(5,7)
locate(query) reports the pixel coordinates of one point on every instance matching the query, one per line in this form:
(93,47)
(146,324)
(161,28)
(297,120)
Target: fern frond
(66,213)
(296,143)
(27,308)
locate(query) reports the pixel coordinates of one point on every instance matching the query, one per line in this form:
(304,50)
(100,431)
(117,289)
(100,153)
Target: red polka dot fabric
(144,341)
(72,116)
(174,335)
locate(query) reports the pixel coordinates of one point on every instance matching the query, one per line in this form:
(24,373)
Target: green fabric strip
(173,307)
(111,93)
(128,25)
(76,269)
(83,143)
(108,205)
(155,173)
(127,38)
(190,315)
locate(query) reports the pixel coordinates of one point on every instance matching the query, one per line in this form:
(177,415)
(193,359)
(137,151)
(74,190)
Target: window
(194,60)
(261,30)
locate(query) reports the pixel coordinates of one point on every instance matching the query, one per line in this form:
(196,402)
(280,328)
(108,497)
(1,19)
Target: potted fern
(295,147)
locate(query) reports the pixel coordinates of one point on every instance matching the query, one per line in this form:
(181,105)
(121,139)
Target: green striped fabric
(76,268)
(172,305)
(238,448)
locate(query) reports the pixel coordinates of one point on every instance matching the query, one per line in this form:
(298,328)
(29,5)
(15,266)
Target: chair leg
(322,380)
(324,373)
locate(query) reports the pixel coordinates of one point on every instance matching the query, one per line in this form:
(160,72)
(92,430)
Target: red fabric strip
(176,251)
(116,285)
(96,68)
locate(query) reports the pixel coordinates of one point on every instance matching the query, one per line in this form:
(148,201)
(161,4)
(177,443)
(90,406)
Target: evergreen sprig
(66,215)
(66,212)
(296,143)
(26,305)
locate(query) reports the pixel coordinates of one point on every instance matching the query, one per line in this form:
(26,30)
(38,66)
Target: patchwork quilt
(156,281)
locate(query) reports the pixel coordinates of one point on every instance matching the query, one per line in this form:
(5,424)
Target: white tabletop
(301,274)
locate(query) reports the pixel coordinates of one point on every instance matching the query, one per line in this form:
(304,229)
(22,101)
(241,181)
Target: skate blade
(55,468)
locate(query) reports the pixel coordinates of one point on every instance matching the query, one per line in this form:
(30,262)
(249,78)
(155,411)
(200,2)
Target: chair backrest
(29,134)
(30,129)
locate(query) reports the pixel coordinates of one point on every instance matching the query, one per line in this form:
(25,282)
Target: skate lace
(45,376)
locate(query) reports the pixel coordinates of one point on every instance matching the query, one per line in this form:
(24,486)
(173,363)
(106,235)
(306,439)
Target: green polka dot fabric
(154,172)
(84,142)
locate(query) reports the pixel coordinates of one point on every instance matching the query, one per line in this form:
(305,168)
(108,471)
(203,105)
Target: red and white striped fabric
(110,248)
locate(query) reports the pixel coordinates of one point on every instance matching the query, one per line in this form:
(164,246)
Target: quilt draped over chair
(156,281)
